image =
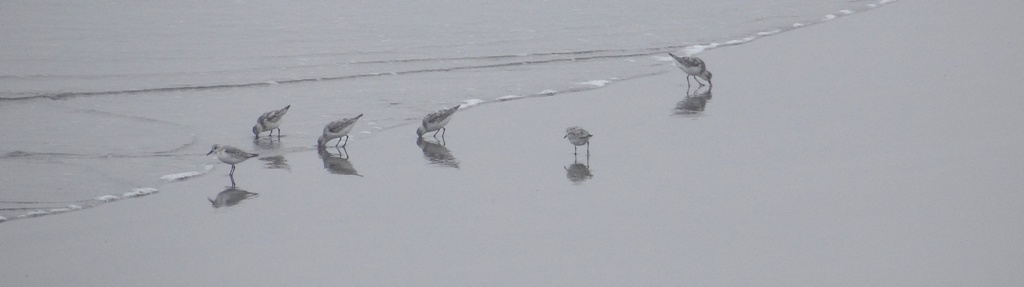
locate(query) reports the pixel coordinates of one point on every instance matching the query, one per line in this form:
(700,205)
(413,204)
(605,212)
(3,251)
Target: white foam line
(140,192)
(107,198)
(595,83)
(34,213)
(187,174)
(829,17)
(59,210)
(547,92)
(798,25)
(470,103)
(508,98)
(846,12)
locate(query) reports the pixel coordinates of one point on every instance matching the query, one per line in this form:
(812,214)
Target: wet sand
(879,149)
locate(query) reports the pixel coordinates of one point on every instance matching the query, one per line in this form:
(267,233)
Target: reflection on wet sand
(266,143)
(276,162)
(265,146)
(336,163)
(231,196)
(578,172)
(437,153)
(693,103)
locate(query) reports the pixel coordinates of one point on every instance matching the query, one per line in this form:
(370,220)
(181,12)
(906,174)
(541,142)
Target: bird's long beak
(211,151)
(565,136)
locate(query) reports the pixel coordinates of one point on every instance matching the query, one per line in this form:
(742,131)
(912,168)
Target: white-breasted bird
(578,136)
(269,121)
(230,155)
(336,130)
(435,122)
(694,67)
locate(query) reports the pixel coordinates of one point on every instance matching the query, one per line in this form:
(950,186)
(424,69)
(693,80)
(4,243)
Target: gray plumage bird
(230,155)
(435,122)
(694,67)
(337,130)
(578,136)
(270,121)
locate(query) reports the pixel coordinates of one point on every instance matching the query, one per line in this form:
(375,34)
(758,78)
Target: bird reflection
(578,172)
(276,162)
(437,153)
(336,163)
(231,196)
(694,103)
(262,146)
(270,143)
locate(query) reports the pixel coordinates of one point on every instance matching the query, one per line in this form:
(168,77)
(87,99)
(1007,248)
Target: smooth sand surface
(881,149)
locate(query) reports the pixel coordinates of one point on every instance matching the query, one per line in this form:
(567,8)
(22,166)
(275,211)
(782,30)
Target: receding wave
(29,209)
(423,65)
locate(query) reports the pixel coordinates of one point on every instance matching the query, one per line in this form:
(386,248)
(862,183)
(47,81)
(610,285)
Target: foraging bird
(230,155)
(578,136)
(694,67)
(435,122)
(336,130)
(270,121)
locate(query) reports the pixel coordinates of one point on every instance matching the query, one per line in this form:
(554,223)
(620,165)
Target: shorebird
(336,130)
(231,155)
(578,136)
(269,121)
(694,67)
(435,122)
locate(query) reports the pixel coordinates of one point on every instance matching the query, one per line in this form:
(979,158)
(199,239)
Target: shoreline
(116,160)
(807,166)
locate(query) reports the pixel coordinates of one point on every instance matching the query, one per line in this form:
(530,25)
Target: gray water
(100,98)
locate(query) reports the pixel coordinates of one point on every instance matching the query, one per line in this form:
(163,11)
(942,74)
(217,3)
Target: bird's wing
(238,152)
(275,115)
(337,126)
(439,115)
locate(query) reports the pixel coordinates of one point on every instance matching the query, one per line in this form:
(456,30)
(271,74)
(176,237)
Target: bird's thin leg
(687,82)
(588,149)
(573,149)
(232,173)
(337,143)
(278,132)
(435,133)
(232,180)
(271,133)
(346,141)
(346,152)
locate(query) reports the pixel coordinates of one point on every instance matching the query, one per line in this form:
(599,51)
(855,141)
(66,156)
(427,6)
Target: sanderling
(435,122)
(694,67)
(578,136)
(230,155)
(270,121)
(336,130)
